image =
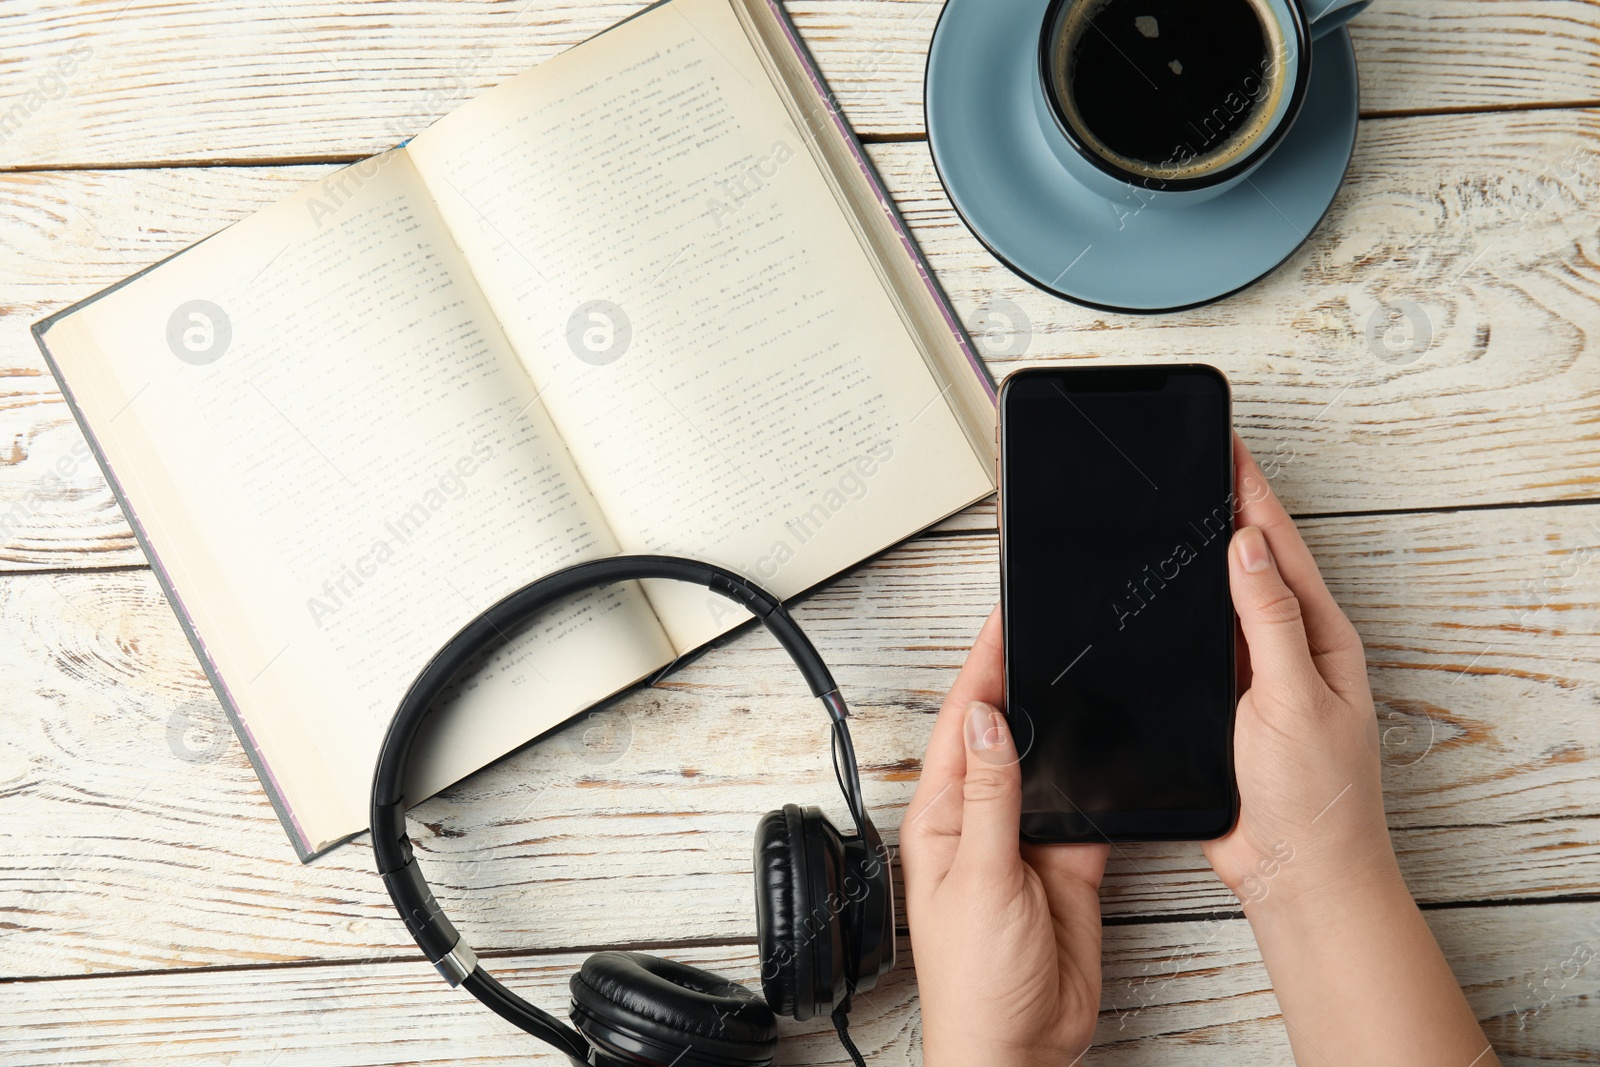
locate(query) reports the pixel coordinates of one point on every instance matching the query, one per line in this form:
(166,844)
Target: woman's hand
(1356,970)
(1005,936)
(1306,736)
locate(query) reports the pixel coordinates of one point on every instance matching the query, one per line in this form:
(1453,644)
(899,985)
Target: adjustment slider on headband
(459,962)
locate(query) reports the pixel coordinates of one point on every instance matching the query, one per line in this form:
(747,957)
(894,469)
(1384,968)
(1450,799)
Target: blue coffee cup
(1173,136)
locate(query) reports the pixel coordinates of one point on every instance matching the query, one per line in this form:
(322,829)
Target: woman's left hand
(1005,935)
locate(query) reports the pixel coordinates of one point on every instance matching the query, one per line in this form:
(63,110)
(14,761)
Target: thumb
(1269,615)
(991,811)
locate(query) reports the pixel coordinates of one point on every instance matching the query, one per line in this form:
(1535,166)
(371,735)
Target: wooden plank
(1446,55)
(137,836)
(1175,994)
(311,78)
(1482,222)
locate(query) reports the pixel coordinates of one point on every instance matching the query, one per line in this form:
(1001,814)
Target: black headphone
(824,900)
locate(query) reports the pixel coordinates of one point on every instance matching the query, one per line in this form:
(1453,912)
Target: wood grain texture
(1442,55)
(1483,223)
(138,846)
(137,836)
(221,81)
(1189,993)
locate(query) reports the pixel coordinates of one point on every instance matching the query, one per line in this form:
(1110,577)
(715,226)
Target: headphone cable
(852,799)
(842,1025)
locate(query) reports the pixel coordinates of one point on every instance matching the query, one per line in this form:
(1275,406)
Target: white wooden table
(1447,474)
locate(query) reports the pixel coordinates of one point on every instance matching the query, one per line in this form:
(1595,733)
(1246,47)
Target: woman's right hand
(1357,973)
(1305,736)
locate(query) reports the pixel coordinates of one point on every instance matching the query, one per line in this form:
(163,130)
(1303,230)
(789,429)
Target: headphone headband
(391,846)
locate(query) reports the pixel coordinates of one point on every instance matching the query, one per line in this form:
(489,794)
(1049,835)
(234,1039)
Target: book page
(338,461)
(702,322)
(949,353)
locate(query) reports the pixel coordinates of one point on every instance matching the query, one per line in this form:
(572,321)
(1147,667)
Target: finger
(945,762)
(1271,618)
(991,792)
(1334,643)
(1070,876)
(983,676)
(1060,867)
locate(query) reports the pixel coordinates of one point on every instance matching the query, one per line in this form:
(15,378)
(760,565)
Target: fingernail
(1253,550)
(986,727)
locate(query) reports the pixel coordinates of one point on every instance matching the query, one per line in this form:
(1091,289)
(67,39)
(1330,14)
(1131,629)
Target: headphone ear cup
(644,1009)
(869,920)
(800,905)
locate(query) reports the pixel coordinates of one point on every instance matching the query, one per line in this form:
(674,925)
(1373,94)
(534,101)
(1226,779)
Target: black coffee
(1169,88)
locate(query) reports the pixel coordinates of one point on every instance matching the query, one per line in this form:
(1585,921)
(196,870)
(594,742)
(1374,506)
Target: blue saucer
(991,152)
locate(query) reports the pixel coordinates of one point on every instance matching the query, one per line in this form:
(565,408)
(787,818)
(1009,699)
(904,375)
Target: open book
(648,297)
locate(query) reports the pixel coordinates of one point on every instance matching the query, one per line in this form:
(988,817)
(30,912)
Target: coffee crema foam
(1209,123)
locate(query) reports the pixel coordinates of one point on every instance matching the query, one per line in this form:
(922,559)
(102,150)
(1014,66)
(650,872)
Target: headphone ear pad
(800,866)
(631,1005)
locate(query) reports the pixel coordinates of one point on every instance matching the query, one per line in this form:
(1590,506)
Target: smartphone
(1116,510)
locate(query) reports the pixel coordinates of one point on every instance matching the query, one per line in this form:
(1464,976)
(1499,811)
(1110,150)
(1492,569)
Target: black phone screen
(1116,512)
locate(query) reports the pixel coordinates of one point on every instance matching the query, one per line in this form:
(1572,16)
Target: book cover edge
(269,783)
